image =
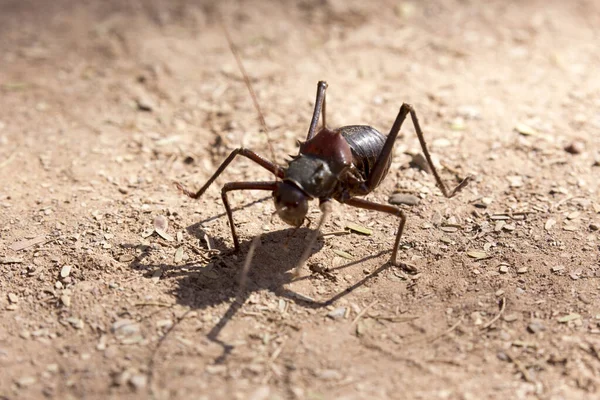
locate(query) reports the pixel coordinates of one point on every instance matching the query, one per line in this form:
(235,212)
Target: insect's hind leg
(241,186)
(319,109)
(260,160)
(421,137)
(380,165)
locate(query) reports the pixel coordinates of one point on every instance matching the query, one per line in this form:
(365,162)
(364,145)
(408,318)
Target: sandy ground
(103,105)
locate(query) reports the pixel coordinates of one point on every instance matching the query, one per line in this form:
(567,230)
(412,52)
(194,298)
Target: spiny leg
(379,169)
(241,186)
(369,205)
(325,210)
(440,183)
(319,109)
(260,160)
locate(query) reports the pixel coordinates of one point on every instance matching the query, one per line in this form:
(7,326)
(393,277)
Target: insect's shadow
(206,282)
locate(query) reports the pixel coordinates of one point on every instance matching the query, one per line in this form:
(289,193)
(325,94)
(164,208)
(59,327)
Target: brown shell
(329,145)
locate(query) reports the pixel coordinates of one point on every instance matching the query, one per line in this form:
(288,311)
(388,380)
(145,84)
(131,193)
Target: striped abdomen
(366,143)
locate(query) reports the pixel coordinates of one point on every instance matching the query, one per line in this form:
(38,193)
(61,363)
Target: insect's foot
(185,191)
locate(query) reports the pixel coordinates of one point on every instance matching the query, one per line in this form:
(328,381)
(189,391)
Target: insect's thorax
(321,161)
(329,166)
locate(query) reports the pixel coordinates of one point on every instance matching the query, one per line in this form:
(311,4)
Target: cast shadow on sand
(202,282)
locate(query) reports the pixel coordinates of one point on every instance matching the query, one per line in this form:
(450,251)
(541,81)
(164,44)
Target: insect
(342,164)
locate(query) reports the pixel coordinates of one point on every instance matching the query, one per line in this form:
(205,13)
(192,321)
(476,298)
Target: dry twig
(502,308)
(363,311)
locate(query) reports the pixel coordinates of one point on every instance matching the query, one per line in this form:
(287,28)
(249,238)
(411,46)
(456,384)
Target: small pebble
(457,124)
(499,225)
(469,112)
(138,381)
(420,162)
(66,300)
(526,130)
(76,323)
(584,298)
(511,317)
(329,375)
(503,269)
(575,147)
(519,291)
(126,258)
(337,313)
(567,318)
(536,326)
(65,271)
(52,368)
(515,181)
(26,381)
(145,104)
(449,229)
(594,226)
(13,298)
(402,198)
(476,317)
(125,327)
(522,270)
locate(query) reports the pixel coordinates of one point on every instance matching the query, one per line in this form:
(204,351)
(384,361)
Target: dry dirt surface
(115,285)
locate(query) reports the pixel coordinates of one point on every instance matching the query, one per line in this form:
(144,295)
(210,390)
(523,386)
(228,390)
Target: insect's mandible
(341,164)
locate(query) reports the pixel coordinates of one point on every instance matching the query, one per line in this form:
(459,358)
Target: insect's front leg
(260,160)
(241,186)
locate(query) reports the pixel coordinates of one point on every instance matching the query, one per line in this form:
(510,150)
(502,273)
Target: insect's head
(291,203)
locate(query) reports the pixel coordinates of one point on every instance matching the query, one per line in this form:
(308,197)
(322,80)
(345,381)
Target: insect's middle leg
(241,186)
(369,205)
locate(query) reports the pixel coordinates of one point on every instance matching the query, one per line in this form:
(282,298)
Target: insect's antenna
(248,85)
